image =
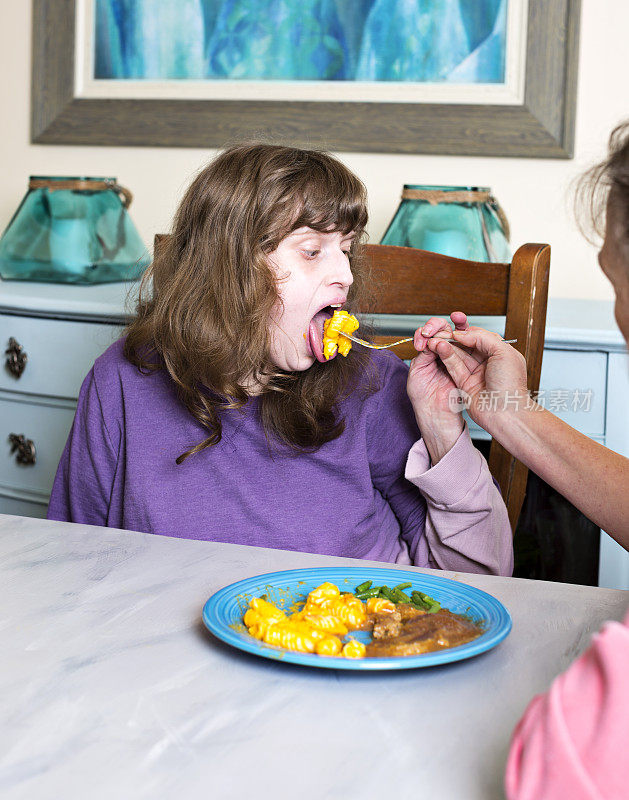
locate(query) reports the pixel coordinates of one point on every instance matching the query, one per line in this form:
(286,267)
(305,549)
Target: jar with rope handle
(73,230)
(460,221)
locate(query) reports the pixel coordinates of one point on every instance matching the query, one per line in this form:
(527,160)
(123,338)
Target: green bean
(387,593)
(418,599)
(368,593)
(423,597)
(424,602)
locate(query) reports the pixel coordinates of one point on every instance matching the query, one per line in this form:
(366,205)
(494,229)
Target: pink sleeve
(571,743)
(467,525)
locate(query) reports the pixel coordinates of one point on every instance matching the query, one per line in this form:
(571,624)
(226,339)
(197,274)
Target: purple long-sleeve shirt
(371,493)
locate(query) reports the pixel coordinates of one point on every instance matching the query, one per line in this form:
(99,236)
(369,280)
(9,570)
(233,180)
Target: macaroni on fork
(340,322)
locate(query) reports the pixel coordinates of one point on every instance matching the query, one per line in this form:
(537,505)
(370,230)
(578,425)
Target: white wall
(534,193)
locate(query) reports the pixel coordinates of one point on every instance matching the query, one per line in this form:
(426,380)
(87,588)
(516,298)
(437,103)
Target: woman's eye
(347,253)
(311,253)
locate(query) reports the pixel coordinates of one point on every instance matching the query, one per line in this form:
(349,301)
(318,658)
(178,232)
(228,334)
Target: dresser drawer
(47,423)
(59,353)
(12,503)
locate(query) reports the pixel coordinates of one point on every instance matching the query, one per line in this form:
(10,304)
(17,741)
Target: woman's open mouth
(315,331)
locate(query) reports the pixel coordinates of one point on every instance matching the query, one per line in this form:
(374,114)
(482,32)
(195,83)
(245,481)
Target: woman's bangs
(329,203)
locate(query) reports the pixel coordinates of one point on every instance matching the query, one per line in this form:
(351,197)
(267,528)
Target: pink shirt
(573,742)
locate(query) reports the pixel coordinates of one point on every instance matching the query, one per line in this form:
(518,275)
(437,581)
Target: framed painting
(460,77)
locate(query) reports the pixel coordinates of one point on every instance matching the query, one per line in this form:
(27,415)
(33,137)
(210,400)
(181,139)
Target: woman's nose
(341,271)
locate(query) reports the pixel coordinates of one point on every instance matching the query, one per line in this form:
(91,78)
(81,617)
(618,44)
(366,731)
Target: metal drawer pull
(26,453)
(16,358)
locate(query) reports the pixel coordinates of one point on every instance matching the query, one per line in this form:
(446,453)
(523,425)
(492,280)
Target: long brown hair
(205,320)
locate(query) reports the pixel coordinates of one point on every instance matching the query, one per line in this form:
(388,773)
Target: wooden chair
(417,282)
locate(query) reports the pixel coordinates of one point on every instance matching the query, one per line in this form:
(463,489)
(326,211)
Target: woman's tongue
(315,334)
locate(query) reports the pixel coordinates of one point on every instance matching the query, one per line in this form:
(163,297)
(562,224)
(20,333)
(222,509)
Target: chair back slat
(410,279)
(526,306)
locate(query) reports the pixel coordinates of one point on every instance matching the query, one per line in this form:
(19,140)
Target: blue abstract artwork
(455,41)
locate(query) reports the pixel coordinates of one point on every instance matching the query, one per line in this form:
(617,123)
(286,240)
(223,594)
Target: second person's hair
(609,176)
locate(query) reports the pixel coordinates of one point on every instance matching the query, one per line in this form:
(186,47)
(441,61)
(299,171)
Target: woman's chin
(304,364)
(293,364)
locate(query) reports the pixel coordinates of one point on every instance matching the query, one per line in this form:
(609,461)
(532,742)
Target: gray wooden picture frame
(542,127)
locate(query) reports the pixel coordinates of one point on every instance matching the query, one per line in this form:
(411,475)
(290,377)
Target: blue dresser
(50,335)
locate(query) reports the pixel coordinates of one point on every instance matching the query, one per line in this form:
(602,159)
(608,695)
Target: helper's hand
(430,387)
(489,369)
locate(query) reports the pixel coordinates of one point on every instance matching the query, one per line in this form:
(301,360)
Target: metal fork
(403,341)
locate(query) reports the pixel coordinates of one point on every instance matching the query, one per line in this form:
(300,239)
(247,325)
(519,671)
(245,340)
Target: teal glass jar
(461,221)
(73,230)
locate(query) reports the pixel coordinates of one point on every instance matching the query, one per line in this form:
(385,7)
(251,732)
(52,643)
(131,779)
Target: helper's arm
(593,478)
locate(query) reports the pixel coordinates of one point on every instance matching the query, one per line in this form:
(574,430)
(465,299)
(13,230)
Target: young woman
(217,416)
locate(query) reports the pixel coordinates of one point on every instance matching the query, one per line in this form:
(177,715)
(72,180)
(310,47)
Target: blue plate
(223,613)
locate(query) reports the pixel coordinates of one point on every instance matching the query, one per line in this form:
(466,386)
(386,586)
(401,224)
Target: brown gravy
(407,631)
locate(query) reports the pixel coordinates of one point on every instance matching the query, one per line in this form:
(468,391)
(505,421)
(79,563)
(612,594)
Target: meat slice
(423,633)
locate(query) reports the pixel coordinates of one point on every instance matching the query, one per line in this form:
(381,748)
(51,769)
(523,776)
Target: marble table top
(110,686)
